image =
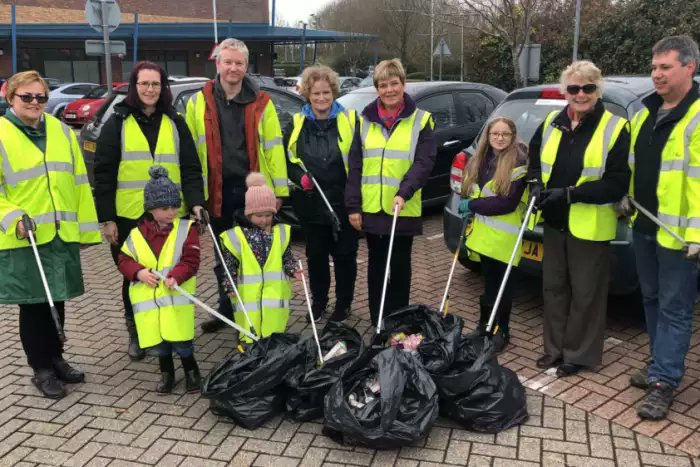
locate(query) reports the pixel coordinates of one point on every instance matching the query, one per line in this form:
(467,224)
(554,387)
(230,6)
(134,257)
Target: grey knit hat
(160,191)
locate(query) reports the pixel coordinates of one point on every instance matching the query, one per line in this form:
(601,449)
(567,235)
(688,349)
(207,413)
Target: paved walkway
(117,419)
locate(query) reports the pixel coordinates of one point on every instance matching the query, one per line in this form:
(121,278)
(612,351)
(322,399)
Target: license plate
(89,146)
(532,250)
(70,116)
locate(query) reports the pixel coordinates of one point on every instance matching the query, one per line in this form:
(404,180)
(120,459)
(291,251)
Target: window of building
(66,65)
(173,62)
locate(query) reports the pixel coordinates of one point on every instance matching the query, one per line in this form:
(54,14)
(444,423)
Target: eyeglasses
(574,89)
(499,135)
(149,84)
(27,98)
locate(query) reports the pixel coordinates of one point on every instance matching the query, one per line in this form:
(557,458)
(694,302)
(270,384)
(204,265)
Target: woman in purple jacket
(390,160)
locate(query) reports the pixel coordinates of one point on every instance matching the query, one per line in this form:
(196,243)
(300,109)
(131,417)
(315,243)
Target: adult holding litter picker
(578,168)
(492,190)
(318,142)
(46,214)
(391,158)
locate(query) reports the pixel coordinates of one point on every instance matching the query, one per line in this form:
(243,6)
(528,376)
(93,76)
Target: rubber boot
(501,338)
(134,351)
(167,375)
(193,379)
(484,314)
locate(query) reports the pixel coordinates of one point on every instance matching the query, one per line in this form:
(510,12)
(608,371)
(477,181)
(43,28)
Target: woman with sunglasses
(578,169)
(44,189)
(145,130)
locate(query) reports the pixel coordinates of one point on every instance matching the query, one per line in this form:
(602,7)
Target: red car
(81,111)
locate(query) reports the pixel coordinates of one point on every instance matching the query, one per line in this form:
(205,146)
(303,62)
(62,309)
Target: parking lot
(117,419)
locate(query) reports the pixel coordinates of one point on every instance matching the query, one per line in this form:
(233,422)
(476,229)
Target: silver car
(65,94)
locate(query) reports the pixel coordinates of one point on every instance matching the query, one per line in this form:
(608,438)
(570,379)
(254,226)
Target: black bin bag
(403,412)
(441,335)
(249,387)
(308,386)
(479,393)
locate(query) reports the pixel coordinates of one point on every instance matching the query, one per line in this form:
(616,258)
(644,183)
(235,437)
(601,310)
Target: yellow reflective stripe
(7,220)
(497,224)
(383,180)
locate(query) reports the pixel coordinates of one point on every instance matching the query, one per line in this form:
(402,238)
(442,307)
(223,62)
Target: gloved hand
(624,207)
(306,183)
(693,252)
(463,209)
(535,188)
(553,197)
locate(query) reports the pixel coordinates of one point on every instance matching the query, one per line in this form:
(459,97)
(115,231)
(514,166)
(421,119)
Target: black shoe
(134,351)
(193,379)
(212,325)
(656,403)
(47,382)
(639,379)
(167,375)
(318,311)
(67,373)
(568,369)
(547,361)
(341,313)
(500,341)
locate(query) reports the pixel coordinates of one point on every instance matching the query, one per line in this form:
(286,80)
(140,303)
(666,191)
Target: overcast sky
(295,10)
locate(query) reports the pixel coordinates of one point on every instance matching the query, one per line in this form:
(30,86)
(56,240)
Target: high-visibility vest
(386,162)
(265,291)
(161,314)
(137,159)
(346,131)
(496,236)
(678,189)
(270,145)
(596,222)
(51,187)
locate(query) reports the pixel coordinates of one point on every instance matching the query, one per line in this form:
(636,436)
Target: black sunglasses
(27,98)
(574,89)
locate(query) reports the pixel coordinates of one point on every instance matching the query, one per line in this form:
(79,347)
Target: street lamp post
(303,48)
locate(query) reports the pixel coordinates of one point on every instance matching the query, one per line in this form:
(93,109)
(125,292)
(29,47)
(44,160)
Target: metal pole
(108,54)
(315,52)
(216,25)
(303,49)
(461,63)
(526,74)
(576,29)
(136,38)
(440,76)
(432,45)
(274,8)
(14,38)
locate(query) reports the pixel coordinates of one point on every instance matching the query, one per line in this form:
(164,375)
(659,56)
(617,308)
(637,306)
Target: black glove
(535,188)
(553,197)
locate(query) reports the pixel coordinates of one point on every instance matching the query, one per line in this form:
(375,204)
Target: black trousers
(343,249)
(38,334)
(493,271)
(399,286)
(124,227)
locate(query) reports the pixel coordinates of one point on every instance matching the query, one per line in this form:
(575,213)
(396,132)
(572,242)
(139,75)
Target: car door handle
(447,144)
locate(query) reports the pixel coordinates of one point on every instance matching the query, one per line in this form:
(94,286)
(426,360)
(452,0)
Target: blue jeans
(183,349)
(669,285)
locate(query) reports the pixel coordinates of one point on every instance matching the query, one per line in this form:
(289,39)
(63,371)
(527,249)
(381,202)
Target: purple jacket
(423,162)
(499,204)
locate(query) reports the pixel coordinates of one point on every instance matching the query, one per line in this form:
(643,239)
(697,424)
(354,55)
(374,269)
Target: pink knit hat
(259,198)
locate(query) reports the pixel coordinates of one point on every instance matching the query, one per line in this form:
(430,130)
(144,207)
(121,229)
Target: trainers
(657,401)
(340,313)
(639,379)
(318,311)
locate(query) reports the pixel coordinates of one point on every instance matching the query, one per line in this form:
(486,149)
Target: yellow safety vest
(678,189)
(51,187)
(386,162)
(137,159)
(346,131)
(266,291)
(270,146)
(161,314)
(495,236)
(596,222)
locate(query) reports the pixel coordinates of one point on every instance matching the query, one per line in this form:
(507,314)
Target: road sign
(442,49)
(93,13)
(96,48)
(529,61)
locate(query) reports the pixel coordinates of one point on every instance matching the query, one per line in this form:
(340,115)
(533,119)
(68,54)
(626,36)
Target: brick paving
(117,419)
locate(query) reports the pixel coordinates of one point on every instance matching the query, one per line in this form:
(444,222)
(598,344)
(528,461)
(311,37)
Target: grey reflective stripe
(692,172)
(67,131)
(167,159)
(283,235)
(176,139)
(630,159)
(182,232)
(547,133)
(518,172)
(278,182)
(9,218)
(121,185)
(693,223)
(271,143)
(50,217)
(235,242)
(376,180)
(201,139)
(607,139)
(130,246)
(672,221)
(249,279)
(486,192)
(591,172)
(689,130)
(2,191)
(167,300)
(498,224)
(267,303)
(13,178)
(669,166)
(81,179)
(545,167)
(396,154)
(345,158)
(373,152)
(415,131)
(364,126)
(136,156)
(205,180)
(89,227)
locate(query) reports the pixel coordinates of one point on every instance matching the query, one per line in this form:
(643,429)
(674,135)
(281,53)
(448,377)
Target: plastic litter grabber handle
(387,269)
(311,314)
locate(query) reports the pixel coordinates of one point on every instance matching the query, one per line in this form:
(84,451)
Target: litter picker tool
(311,314)
(29,228)
(388,266)
(658,222)
(207,220)
(492,318)
(445,296)
(207,308)
(334,216)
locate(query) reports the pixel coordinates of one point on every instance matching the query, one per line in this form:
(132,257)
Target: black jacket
(569,164)
(109,152)
(317,147)
(647,153)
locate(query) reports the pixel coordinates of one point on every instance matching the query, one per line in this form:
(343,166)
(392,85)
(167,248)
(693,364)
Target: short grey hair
(231,44)
(587,71)
(686,47)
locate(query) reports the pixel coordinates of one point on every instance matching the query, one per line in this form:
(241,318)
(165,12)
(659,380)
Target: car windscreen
(357,100)
(528,114)
(97,93)
(107,108)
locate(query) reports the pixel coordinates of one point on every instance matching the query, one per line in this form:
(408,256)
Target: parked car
(528,107)
(367,81)
(81,111)
(459,111)
(64,94)
(347,84)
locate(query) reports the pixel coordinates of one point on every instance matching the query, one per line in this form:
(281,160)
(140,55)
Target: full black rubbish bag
(479,393)
(308,387)
(249,387)
(441,335)
(402,412)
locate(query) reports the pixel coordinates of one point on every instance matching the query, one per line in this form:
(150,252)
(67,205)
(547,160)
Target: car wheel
(58,113)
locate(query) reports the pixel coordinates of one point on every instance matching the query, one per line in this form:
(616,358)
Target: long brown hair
(507,160)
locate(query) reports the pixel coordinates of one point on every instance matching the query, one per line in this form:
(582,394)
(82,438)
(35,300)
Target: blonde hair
(23,78)
(585,70)
(231,44)
(313,74)
(506,160)
(387,69)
